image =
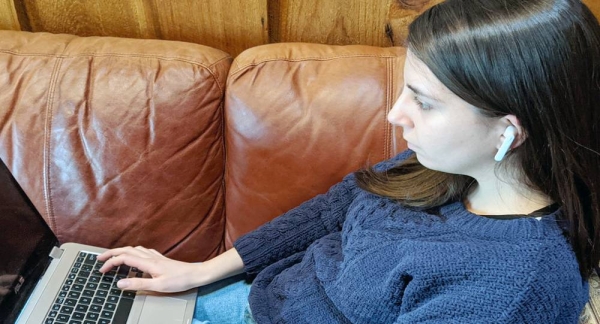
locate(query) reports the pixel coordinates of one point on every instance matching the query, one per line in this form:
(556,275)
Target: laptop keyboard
(90,297)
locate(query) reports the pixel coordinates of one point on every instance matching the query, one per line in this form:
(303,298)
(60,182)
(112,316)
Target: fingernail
(123,284)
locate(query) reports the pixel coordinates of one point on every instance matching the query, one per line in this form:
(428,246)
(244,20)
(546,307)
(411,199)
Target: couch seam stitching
(210,70)
(310,58)
(166,58)
(47,135)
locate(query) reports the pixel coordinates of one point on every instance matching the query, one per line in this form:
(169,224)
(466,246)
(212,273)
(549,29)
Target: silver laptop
(43,283)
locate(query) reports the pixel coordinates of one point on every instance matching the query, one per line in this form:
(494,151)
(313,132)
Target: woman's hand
(167,275)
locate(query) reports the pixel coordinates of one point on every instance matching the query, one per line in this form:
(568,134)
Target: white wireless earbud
(509,137)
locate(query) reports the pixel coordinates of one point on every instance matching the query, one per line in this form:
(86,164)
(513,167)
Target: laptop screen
(26,242)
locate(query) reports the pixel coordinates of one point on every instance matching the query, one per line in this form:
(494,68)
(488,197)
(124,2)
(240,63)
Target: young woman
(491,216)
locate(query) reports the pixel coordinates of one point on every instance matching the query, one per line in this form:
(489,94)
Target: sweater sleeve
(295,230)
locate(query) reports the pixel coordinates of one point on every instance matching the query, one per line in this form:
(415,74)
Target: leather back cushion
(298,118)
(117,141)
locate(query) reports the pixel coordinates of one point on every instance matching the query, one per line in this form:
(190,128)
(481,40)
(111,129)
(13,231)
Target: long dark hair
(538,60)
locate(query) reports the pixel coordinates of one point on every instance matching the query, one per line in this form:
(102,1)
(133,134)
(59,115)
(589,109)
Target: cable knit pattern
(348,256)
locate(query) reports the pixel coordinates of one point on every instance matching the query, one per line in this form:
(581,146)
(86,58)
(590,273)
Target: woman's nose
(398,114)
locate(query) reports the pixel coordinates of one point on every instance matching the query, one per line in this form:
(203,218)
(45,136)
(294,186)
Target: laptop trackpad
(163,310)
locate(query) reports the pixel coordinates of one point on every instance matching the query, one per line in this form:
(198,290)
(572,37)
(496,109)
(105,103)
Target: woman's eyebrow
(421,93)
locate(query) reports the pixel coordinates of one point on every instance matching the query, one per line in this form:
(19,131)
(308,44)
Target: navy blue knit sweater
(348,256)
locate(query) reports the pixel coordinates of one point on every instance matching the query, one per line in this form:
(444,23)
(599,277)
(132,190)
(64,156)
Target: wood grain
(229,25)
(594,6)
(91,17)
(8,16)
(340,22)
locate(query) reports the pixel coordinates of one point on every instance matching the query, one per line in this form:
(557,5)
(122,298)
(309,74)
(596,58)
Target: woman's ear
(519,131)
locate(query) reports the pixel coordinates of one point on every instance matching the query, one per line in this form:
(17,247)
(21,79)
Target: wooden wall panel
(341,22)
(8,16)
(91,17)
(229,25)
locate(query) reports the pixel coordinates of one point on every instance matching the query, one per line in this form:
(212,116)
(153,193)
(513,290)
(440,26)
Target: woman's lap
(225,301)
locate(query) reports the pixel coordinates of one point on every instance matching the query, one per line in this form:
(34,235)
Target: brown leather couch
(176,146)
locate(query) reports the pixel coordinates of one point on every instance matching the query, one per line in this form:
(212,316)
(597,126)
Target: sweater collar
(520,228)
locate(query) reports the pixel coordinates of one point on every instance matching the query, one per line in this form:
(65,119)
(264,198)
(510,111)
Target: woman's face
(446,133)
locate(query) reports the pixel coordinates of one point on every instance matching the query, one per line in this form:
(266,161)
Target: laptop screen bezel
(39,259)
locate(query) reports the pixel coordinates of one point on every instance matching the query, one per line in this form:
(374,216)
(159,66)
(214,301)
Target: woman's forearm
(220,267)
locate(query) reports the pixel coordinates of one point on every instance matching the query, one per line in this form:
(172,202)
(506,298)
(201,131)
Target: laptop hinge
(56,253)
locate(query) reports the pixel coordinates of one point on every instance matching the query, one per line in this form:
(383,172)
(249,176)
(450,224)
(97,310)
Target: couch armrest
(117,141)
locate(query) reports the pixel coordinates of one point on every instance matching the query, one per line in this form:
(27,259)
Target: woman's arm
(298,228)
(169,275)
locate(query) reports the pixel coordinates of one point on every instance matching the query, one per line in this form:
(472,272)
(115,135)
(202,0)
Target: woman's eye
(421,105)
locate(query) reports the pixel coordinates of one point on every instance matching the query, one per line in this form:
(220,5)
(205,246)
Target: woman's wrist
(220,267)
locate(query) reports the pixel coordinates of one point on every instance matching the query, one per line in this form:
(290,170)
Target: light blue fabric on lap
(224,302)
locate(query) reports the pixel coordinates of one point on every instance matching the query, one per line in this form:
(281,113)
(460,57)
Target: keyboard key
(96,308)
(66,310)
(110,306)
(85,300)
(95,277)
(90,259)
(92,316)
(81,308)
(104,286)
(52,313)
(101,293)
(78,316)
(77,287)
(123,270)
(128,294)
(91,285)
(123,309)
(98,300)
(106,314)
(63,317)
(115,292)
(88,293)
(56,307)
(62,294)
(74,322)
(70,302)
(113,299)
(89,322)
(107,279)
(74,294)
(105,321)
(49,321)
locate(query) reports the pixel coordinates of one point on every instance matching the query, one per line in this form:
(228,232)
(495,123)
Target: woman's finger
(144,264)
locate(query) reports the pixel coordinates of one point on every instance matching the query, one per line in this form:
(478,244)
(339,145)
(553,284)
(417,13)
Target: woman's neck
(497,197)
